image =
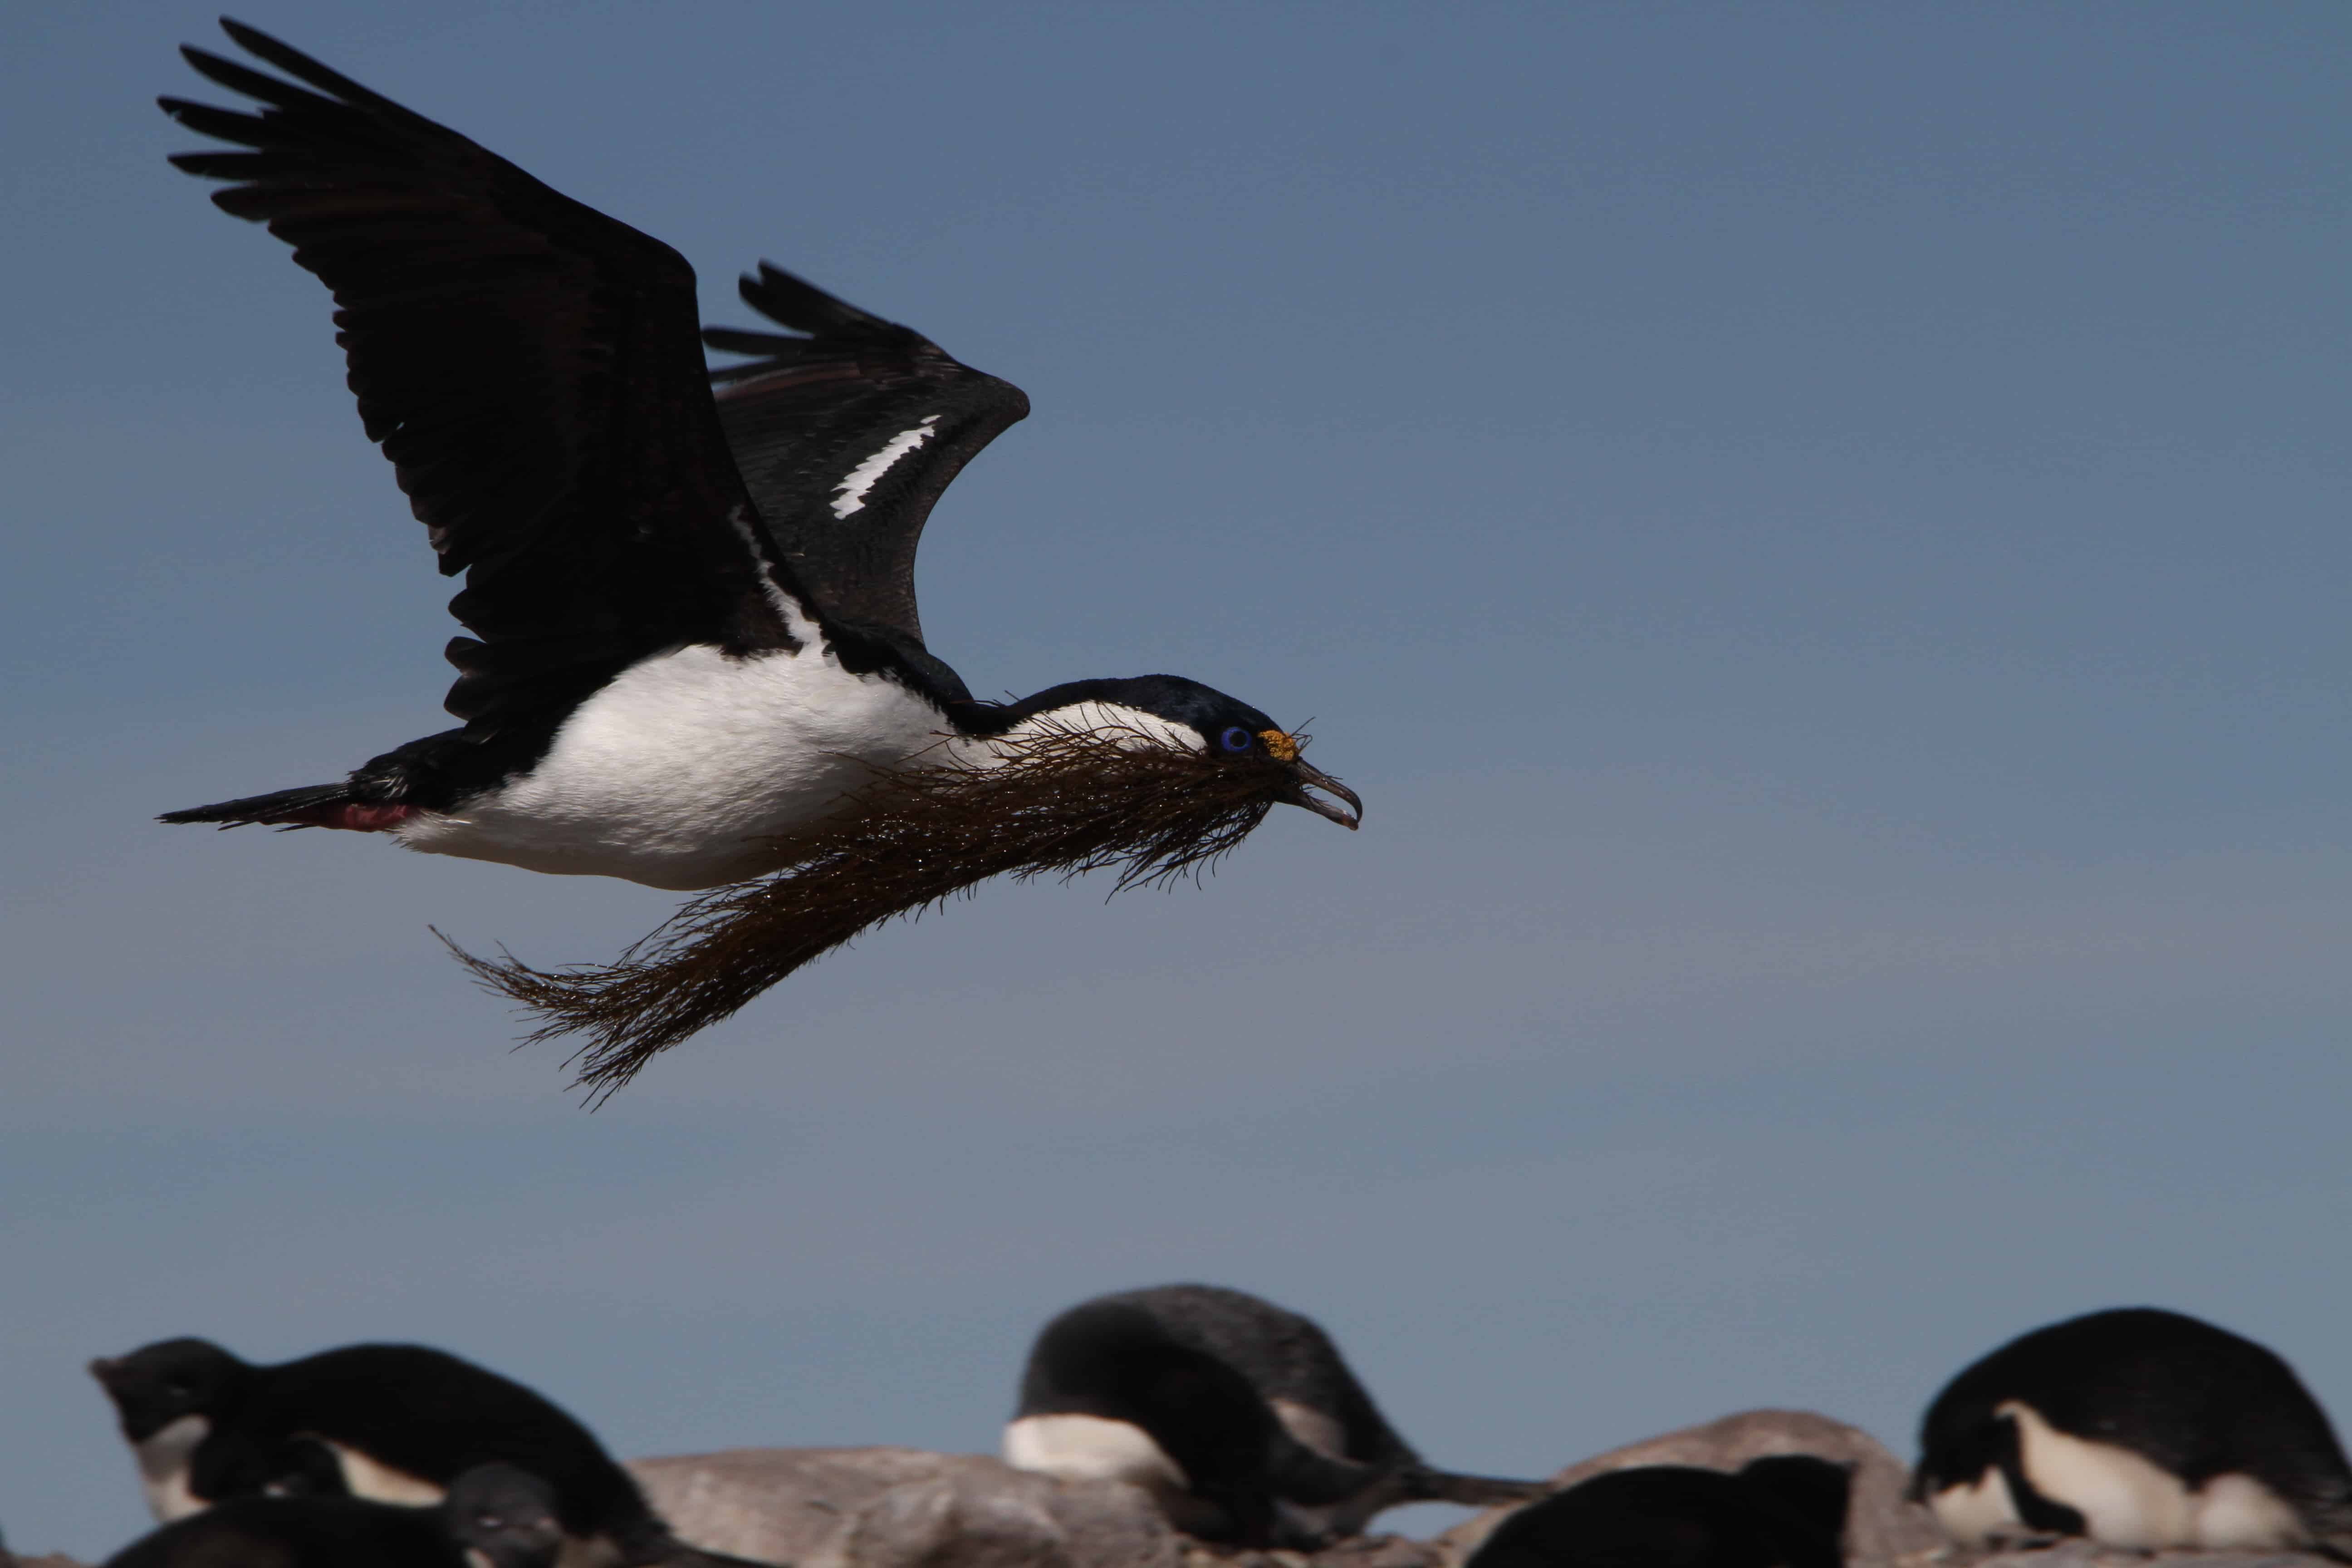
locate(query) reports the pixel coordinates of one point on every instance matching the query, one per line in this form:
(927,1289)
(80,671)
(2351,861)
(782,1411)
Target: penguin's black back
(1282,1355)
(2196,1400)
(297,1532)
(426,1413)
(1782,1512)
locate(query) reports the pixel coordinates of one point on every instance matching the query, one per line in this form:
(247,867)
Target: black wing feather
(847,434)
(530,366)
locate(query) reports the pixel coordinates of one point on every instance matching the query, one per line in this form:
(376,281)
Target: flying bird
(695,656)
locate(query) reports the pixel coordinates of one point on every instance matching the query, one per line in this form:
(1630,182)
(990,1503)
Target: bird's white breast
(164,1458)
(674,772)
(1095,1448)
(2124,1500)
(1089,1449)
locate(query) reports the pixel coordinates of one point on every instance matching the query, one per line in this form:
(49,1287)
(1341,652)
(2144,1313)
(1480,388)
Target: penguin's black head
(1223,727)
(156,1385)
(505,1514)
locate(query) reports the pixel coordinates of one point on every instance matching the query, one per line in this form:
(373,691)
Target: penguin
(494,1516)
(1239,1417)
(1786,1511)
(2138,1429)
(391,1423)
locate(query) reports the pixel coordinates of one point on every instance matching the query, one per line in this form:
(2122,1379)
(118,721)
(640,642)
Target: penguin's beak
(1305,777)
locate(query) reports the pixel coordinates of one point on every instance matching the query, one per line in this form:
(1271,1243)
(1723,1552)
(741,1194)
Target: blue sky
(1818,532)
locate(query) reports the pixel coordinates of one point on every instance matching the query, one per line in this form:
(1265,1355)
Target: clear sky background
(1820,532)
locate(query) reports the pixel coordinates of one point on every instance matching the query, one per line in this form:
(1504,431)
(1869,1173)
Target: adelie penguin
(1785,1512)
(1241,1418)
(494,1516)
(694,639)
(394,1424)
(2138,1429)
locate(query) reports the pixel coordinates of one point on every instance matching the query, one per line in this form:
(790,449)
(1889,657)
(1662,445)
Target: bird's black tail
(320,806)
(1425,1484)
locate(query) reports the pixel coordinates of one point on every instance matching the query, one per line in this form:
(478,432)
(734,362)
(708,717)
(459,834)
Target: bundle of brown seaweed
(1063,803)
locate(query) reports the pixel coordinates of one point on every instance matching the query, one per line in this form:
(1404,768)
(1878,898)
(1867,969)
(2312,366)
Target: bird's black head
(1185,712)
(156,1385)
(505,1514)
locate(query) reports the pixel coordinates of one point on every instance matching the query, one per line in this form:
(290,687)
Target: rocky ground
(899,1508)
(905,1508)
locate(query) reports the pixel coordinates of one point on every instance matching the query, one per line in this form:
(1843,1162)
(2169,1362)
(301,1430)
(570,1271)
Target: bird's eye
(1236,738)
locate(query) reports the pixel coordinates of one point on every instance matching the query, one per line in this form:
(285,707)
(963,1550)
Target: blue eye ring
(1236,738)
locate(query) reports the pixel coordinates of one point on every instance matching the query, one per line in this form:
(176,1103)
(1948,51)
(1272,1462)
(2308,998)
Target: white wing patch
(787,608)
(850,494)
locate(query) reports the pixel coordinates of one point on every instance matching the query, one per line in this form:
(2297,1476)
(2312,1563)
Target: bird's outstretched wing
(530,367)
(847,433)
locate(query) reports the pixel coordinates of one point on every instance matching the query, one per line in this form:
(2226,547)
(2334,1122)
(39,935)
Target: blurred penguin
(494,1516)
(1240,1417)
(1786,1512)
(2138,1429)
(390,1424)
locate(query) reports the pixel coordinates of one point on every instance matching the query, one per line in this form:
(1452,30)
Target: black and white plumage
(393,1423)
(2139,1428)
(494,1516)
(693,618)
(1786,1511)
(1240,1417)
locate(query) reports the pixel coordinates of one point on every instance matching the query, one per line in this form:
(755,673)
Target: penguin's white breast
(1092,1448)
(164,1458)
(1973,1512)
(2126,1500)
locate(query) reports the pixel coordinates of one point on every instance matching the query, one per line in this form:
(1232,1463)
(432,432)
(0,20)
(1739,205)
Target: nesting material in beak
(1062,803)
